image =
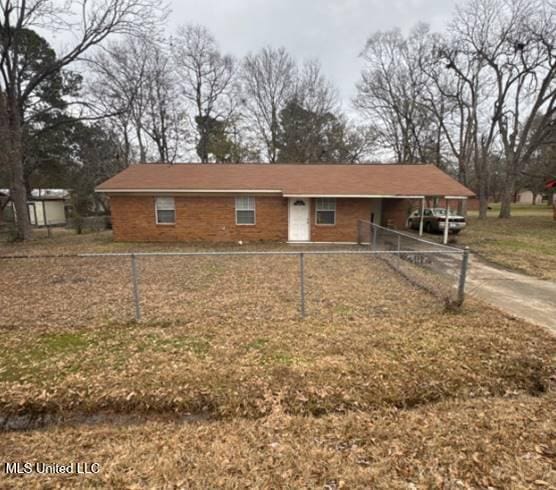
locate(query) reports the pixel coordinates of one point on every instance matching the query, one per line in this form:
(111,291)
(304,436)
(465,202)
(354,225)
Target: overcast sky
(334,31)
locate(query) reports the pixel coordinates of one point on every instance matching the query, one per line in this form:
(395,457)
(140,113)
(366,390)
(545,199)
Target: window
(245,210)
(165,211)
(326,211)
(442,212)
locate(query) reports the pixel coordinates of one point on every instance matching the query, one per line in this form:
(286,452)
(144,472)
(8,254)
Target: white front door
(299,225)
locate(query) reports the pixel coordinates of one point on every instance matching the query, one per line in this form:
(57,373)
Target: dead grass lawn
(81,291)
(526,242)
(378,387)
(222,336)
(486,443)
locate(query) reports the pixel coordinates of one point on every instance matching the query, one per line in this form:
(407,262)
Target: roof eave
(271,191)
(366,196)
(189,191)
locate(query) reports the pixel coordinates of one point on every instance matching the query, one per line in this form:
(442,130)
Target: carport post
(463,275)
(301,286)
(446,222)
(135,281)
(421,217)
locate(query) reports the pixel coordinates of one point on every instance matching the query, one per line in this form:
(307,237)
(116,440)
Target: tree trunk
(506,200)
(14,154)
(483,200)
(142,152)
(19,198)
(127,146)
(505,205)
(482,174)
(462,170)
(273,135)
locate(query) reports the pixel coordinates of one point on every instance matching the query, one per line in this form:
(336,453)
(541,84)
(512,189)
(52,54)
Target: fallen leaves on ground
(484,443)
(379,386)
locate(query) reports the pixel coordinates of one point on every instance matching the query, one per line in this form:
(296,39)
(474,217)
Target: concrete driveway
(519,295)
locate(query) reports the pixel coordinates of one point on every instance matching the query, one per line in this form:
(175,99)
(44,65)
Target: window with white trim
(165,210)
(245,210)
(326,211)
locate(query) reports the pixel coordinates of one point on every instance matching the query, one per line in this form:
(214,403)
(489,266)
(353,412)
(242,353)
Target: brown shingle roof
(299,179)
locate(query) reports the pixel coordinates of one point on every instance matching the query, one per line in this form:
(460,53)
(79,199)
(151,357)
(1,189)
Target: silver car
(434,221)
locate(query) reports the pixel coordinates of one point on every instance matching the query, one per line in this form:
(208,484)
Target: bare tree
(390,95)
(313,91)
(135,84)
(118,90)
(268,83)
(451,100)
(163,115)
(476,132)
(206,78)
(514,42)
(91,22)
(312,127)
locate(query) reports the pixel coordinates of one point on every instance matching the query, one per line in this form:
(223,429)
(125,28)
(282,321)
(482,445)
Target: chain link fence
(439,269)
(279,285)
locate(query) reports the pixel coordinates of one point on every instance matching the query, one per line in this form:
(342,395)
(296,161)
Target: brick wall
(395,213)
(198,219)
(212,218)
(348,212)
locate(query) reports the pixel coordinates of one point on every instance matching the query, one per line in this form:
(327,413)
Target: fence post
(463,275)
(301,285)
(399,244)
(375,231)
(359,223)
(135,281)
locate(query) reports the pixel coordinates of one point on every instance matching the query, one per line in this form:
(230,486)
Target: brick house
(276,202)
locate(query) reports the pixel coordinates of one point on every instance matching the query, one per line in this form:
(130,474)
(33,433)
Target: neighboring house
(47,211)
(51,203)
(47,207)
(280,202)
(4,197)
(525,196)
